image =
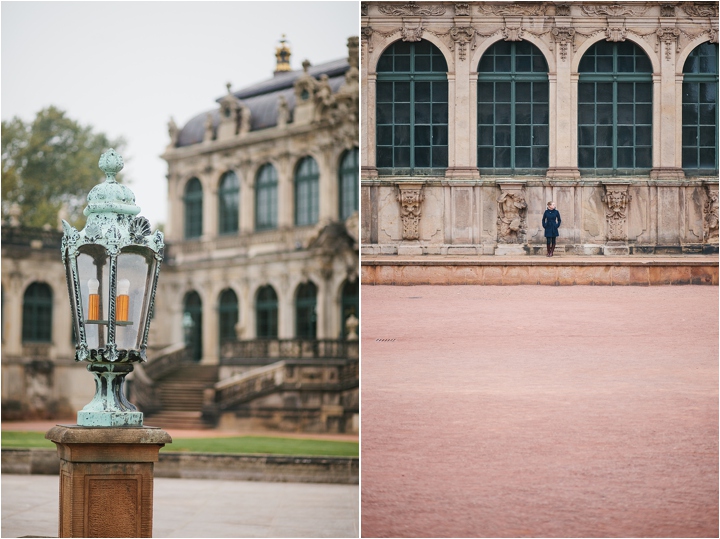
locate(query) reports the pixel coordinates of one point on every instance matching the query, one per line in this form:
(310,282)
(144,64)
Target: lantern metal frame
(113,229)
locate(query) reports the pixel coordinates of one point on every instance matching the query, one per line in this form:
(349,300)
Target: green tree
(49,163)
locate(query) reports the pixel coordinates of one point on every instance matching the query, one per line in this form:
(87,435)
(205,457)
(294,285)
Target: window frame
(266,329)
(226,331)
(348,183)
(37,314)
(266,208)
(615,77)
(193,206)
(412,78)
(307,191)
(306,328)
(513,76)
(228,220)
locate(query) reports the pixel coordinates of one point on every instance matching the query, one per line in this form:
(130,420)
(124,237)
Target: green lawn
(237,444)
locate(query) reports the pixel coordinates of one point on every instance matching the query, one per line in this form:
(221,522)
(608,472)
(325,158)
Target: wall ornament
(697,10)
(514,9)
(563,35)
(412,34)
(614,10)
(411,9)
(462,10)
(512,210)
(462,35)
(711,219)
(512,33)
(616,198)
(669,36)
(410,198)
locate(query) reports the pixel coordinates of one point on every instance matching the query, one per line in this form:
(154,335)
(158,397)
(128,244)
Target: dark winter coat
(551,221)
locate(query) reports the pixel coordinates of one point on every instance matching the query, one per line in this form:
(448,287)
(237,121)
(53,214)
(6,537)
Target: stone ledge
(271,468)
(539,271)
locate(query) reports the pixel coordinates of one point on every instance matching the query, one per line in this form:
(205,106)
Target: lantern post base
(109,407)
(106,479)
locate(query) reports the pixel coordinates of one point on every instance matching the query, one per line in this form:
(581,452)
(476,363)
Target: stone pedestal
(106,479)
(616,248)
(509,249)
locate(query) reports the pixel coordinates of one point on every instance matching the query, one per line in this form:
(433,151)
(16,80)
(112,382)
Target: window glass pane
(625,136)
(586,136)
(643,136)
(586,157)
(707,136)
(402,113)
(384,135)
(604,135)
(487,63)
(485,157)
(384,92)
(439,156)
(643,158)
(485,113)
(384,114)
(523,92)
(422,92)
(643,114)
(707,158)
(422,157)
(586,114)
(604,64)
(605,92)
(540,92)
(625,114)
(540,114)
(523,135)
(422,135)
(586,93)
(502,114)
(540,135)
(502,92)
(502,157)
(522,157)
(604,158)
(625,157)
(402,92)
(587,64)
(625,92)
(604,114)
(522,113)
(422,113)
(502,64)
(439,135)
(423,63)
(384,157)
(440,91)
(523,63)
(502,135)
(402,156)
(440,113)
(402,63)
(690,114)
(485,136)
(540,157)
(642,64)
(643,92)
(385,63)
(690,158)
(439,64)
(626,64)
(402,135)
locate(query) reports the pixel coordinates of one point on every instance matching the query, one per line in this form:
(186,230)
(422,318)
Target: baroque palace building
(257,302)
(476,114)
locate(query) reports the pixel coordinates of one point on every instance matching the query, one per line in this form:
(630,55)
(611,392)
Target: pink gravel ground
(536,411)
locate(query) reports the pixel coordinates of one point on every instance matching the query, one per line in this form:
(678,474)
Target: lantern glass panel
(93,264)
(137,266)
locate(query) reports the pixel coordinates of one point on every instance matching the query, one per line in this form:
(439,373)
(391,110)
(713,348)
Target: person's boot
(552,250)
(548,251)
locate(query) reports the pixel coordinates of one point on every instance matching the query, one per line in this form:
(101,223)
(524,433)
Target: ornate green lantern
(112,267)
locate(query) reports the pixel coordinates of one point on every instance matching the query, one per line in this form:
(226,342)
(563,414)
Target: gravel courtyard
(537,411)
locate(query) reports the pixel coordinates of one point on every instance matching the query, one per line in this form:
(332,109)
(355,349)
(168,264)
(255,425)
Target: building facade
(476,114)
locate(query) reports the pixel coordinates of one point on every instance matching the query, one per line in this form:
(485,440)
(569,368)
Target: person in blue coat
(550,222)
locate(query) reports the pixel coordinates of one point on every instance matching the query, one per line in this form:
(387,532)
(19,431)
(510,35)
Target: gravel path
(534,411)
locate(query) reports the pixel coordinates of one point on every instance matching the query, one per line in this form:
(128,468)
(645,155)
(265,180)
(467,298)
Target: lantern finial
(111,163)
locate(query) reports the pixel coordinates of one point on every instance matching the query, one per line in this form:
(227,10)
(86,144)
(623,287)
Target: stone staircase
(180,393)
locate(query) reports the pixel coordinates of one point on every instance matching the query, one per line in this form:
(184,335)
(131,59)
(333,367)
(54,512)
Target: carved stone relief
(700,10)
(462,10)
(512,33)
(363,9)
(667,10)
(512,211)
(562,10)
(462,35)
(616,199)
(614,10)
(527,9)
(366,33)
(411,9)
(563,35)
(669,36)
(412,34)
(410,197)
(711,220)
(616,33)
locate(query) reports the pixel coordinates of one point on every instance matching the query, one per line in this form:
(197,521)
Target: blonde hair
(550,203)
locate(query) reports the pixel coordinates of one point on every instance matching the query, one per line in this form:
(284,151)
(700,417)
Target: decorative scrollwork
(411,9)
(614,10)
(563,35)
(514,9)
(700,10)
(669,36)
(462,35)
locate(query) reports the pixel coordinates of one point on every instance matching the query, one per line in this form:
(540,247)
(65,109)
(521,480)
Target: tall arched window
(615,110)
(307,192)
(699,111)
(192,324)
(513,109)
(348,182)
(305,311)
(37,313)
(266,313)
(266,186)
(193,209)
(349,304)
(228,203)
(412,110)
(228,314)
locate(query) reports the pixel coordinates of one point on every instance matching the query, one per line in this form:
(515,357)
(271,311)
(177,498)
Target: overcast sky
(126,67)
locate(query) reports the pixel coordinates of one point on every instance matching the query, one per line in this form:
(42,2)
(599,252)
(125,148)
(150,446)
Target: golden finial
(282,54)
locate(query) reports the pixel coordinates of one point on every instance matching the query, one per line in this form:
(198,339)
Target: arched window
(228,203)
(228,313)
(192,324)
(513,109)
(348,182)
(307,188)
(266,312)
(37,313)
(615,110)
(349,304)
(699,111)
(412,110)
(193,209)
(266,186)
(305,311)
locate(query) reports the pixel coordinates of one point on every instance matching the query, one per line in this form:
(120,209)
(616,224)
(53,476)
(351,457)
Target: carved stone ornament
(512,33)
(411,9)
(713,34)
(410,200)
(462,35)
(363,9)
(669,36)
(616,198)
(701,10)
(614,10)
(667,10)
(412,34)
(512,209)
(366,33)
(562,10)
(514,9)
(563,35)
(462,10)
(615,34)
(711,220)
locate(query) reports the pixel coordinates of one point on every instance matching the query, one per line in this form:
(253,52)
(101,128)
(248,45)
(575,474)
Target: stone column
(328,185)
(106,479)
(563,86)
(247,200)
(462,99)
(616,199)
(286,311)
(367,147)
(211,323)
(210,207)
(14,311)
(286,202)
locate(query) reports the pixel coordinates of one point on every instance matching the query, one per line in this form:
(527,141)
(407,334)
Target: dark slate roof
(262,100)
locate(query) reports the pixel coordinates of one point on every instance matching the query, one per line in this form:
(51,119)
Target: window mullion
(412,123)
(615,125)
